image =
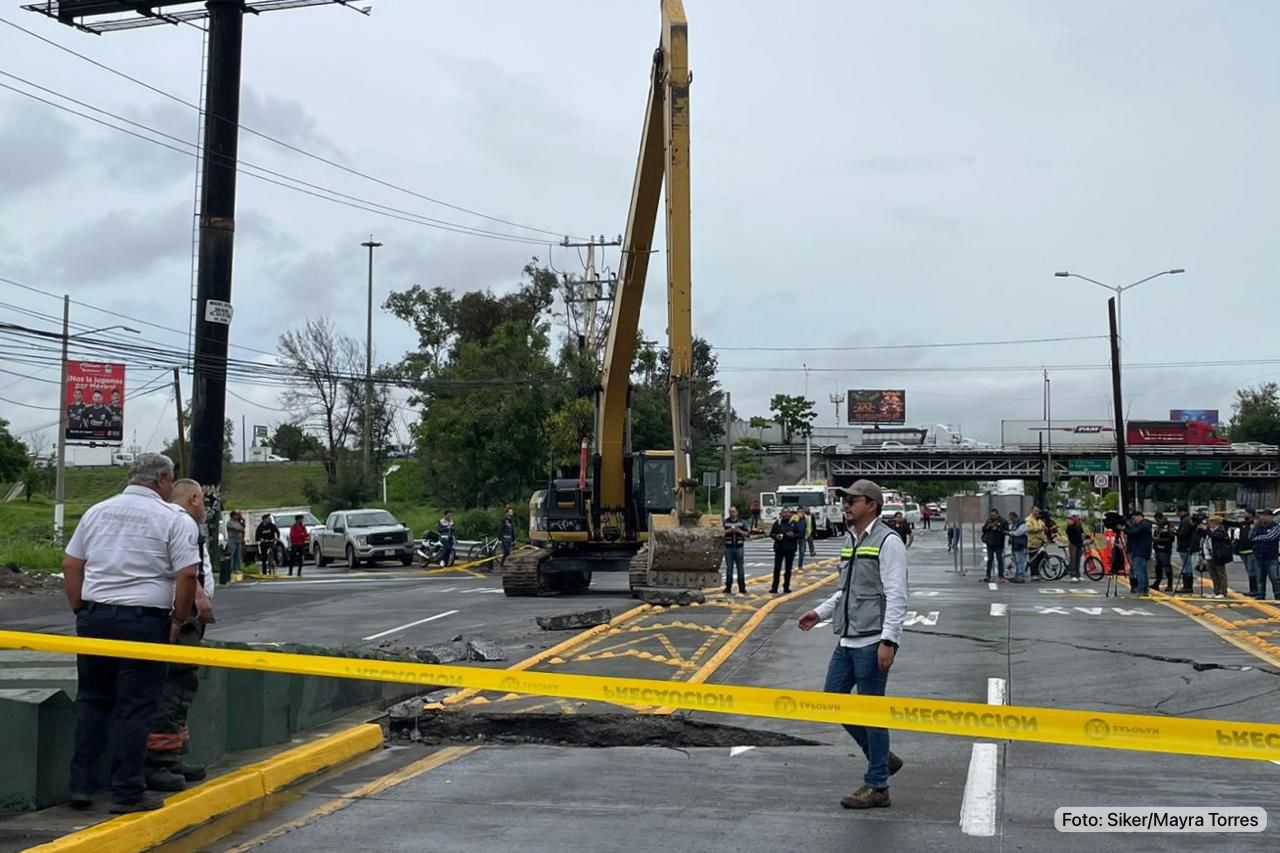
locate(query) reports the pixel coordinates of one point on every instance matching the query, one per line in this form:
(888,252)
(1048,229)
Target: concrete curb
(137,832)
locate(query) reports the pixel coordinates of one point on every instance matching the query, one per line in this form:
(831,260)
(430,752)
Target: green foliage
(794,414)
(292,442)
(30,546)
(1256,414)
(351,489)
(925,491)
(13,454)
(228,439)
(759,424)
(1110,502)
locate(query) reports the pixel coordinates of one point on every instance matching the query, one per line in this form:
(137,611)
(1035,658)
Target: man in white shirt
(866,613)
(128,569)
(169,737)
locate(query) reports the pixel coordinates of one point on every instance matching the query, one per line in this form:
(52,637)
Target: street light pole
(808,433)
(1119,291)
(60,476)
(370,244)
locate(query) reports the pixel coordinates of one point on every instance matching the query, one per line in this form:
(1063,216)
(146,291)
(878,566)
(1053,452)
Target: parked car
(368,535)
(283,517)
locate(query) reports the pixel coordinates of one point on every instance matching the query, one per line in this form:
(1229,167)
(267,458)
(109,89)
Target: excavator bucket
(684,557)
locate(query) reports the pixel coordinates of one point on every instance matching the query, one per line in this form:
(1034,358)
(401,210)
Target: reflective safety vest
(860,612)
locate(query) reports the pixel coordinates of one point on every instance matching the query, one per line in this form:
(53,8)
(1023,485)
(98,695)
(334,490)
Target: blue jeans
(117,698)
(733,556)
(995,556)
(860,668)
(1019,562)
(800,546)
(1138,573)
(1186,556)
(1269,569)
(235,553)
(1251,568)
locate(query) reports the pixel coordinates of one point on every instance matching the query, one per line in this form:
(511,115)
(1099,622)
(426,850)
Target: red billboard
(878,406)
(94,398)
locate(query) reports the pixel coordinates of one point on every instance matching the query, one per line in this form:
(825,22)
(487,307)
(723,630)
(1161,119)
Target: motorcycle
(430,550)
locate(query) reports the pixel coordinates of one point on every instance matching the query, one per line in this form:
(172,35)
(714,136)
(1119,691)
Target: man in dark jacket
(785,538)
(507,534)
(1244,549)
(1266,550)
(1137,544)
(993,533)
(1162,539)
(1075,545)
(1185,540)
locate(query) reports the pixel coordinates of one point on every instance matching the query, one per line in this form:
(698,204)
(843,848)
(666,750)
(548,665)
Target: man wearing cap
(1244,547)
(784,535)
(866,613)
(1266,550)
(1216,550)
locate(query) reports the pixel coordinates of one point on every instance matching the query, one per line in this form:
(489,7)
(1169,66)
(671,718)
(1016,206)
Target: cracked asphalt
(1055,645)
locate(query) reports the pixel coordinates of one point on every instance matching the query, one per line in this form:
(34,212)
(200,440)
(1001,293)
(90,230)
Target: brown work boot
(867,798)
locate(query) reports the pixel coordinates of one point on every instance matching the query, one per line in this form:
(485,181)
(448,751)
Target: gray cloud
(284,119)
(120,245)
(36,147)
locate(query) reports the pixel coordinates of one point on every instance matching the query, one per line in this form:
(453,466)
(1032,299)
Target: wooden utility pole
(179,464)
(728,454)
(1122,462)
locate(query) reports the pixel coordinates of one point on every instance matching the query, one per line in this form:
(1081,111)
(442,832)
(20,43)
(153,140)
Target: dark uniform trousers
(169,737)
(117,698)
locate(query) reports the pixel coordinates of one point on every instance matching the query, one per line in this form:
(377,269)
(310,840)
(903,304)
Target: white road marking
(999,608)
(484,590)
(993,586)
(1053,590)
(931,593)
(1124,612)
(286,584)
(410,625)
(978,809)
(914,618)
(1045,611)
(1091,611)
(735,751)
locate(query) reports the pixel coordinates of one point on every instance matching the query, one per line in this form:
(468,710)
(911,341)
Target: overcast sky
(863,174)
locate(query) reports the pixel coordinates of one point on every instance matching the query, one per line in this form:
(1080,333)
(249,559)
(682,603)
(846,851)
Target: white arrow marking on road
(931,593)
(1042,610)
(1053,590)
(999,608)
(914,618)
(1090,611)
(410,625)
(1124,612)
(735,751)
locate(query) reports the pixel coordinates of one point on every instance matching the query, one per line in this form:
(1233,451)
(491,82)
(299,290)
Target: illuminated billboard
(877,406)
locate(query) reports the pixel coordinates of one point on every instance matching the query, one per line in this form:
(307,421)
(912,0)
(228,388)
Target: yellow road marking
(404,774)
(1224,629)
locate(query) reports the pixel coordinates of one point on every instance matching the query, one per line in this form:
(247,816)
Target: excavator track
(520,576)
(523,577)
(638,573)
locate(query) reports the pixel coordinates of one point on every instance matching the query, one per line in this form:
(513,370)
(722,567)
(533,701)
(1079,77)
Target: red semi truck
(1177,433)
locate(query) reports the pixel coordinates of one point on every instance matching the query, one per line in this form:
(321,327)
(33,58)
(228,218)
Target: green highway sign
(1204,467)
(1088,466)
(1162,469)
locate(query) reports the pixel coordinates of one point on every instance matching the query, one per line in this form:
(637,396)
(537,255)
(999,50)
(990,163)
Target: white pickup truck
(362,535)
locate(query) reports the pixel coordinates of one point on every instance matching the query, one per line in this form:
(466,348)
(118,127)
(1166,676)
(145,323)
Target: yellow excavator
(636,512)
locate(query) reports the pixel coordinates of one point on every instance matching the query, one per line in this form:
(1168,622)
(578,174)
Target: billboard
(1032,434)
(69,10)
(877,406)
(94,398)
(1208,416)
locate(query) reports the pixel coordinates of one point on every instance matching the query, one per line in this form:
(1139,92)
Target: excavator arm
(664,153)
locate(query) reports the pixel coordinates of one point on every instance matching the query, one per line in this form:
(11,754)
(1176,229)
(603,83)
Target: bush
(485,523)
(31,547)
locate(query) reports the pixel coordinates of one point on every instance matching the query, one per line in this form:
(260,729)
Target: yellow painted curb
(142,831)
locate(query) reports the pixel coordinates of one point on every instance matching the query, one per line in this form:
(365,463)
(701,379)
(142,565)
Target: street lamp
(369,244)
(60,477)
(385,474)
(1119,291)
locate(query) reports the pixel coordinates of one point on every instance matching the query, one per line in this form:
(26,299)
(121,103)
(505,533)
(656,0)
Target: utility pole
(728,453)
(244,444)
(179,464)
(1122,462)
(808,433)
(60,482)
(592,293)
(370,244)
(837,400)
(217,244)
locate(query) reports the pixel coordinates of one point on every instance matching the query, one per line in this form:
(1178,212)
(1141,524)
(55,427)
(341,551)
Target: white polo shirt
(133,545)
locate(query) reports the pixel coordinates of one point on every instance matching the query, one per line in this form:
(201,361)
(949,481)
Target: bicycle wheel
(1053,567)
(1093,568)
(475,552)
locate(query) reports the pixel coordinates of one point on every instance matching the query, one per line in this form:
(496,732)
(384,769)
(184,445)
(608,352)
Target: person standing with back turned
(866,613)
(129,574)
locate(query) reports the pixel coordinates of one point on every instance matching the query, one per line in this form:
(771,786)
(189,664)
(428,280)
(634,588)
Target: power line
(947,345)
(281,143)
(334,197)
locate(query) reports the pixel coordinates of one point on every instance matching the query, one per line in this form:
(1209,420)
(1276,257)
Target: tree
(322,362)
(794,414)
(13,455)
(228,439)
(759,424)
(1256,414)
(293,442)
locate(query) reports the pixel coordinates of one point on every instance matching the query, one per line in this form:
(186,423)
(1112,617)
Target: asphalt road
(1055,645)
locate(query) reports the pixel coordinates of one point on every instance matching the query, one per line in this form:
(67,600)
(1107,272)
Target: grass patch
(29,555)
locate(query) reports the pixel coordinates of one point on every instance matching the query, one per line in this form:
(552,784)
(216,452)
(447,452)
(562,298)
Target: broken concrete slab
(483,650)
(666,597)
(442,653)
(575,621)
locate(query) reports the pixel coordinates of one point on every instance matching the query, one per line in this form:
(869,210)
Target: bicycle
(1051,566)
(1098,563)
(485,549)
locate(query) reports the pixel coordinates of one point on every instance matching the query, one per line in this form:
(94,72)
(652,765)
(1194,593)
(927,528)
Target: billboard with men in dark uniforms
(95,402)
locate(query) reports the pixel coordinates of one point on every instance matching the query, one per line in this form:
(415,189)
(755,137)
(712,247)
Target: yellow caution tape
(1182,735)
